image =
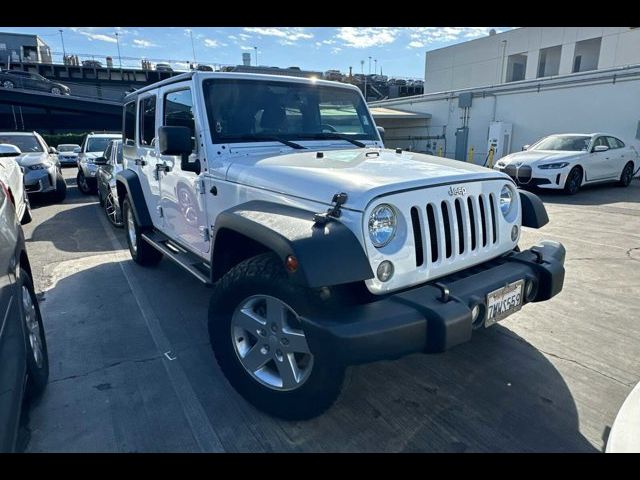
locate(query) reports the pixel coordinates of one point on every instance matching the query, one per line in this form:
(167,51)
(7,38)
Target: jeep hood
(532,157)
(33,158)
(361,173)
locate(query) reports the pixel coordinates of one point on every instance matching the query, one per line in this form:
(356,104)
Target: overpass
(26,110)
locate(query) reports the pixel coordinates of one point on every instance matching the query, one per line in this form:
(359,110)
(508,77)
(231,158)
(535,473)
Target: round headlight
(382,225)
(506,198)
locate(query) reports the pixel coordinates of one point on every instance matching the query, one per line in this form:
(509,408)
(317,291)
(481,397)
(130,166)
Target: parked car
(93,146)
(204,68)
(91,64)
(31,81)
(108,166)
(24,362)
(40,164)
(312,267)
(568,161)
(13,178)
(68,154)
(163,67)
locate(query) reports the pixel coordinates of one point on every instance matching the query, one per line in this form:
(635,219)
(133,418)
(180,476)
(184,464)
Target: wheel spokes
(294,342)
(256,358)
(288,370)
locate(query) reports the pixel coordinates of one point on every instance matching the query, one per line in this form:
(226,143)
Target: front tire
(627,175)
(141,252)
(83,183)
(8,84)
(573,181)
(61,189)
(56,91)
(260,345)
(37,354)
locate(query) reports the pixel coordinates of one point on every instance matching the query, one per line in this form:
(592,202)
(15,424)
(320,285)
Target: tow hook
(338,200)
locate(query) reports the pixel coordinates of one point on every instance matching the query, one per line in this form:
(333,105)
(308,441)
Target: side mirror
(178,141)
(600,148)
(7,150)
(52,150)
(381,132)
(100,161)
(525,147)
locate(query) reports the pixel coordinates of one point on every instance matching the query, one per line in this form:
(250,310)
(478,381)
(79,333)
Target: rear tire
(141,252)
(573,181)
(83,183)
(37,354)
(257,285)
(627,175)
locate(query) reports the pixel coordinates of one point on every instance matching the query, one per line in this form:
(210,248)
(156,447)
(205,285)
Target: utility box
(500,134)
(462,138)
(465,99)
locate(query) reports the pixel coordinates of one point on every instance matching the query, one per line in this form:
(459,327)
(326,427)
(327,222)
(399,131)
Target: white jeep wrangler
(323,248)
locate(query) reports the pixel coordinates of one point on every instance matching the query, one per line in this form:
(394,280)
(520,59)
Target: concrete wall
(605,106)
(483,62)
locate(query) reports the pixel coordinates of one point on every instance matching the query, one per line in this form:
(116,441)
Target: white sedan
(568,161)
(12,179)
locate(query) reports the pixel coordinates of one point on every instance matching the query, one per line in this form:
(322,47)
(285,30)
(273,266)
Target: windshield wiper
(337,136)
(288,143)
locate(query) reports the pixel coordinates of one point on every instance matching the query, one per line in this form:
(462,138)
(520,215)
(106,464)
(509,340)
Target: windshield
(98,144)
(567,143)
(68,148)
(246,110)
(26,143)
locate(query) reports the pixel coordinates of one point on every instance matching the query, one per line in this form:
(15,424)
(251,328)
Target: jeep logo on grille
(457,191)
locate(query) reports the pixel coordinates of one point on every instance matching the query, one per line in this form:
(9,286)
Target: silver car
(93,147)
(68,154)
(39,162)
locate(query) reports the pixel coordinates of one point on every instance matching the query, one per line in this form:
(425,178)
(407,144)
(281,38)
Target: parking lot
(132,369)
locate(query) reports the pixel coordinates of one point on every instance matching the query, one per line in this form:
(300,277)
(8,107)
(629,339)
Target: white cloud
(91,34)
(246,48)
(423,36)
(139,43)
(211,43)
(367,37)
(287,34)
(335,50)
(244,36)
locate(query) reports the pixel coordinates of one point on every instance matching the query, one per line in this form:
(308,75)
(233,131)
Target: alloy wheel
(7,84)
(112,210)
(33,327)
(270,344)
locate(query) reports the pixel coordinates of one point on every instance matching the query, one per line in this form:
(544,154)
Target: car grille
(451,228)
(520,174)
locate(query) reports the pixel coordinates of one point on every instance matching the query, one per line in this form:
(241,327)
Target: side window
(147,118)
(129,121)
(178,111)
(614,142)
(601,141)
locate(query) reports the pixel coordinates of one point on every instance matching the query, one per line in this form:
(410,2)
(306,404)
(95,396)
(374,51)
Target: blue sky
(398,51)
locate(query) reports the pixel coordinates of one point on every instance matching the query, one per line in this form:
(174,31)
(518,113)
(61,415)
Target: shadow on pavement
(109,390)
(602,194)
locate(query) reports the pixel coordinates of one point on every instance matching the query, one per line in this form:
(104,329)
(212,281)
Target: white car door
(147,156)
(620,155)
(182,192)
(598,164)
(11,174)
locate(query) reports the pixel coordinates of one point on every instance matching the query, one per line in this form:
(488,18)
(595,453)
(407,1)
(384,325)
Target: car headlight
(553,165)
(383,224)
(506,199)
(40,166)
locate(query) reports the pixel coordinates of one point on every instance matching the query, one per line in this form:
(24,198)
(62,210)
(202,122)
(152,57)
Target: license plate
(503,302)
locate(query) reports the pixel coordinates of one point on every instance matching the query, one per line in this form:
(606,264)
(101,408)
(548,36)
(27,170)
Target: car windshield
(568,143)
(68,148)
(246,110)
(98,144)
(26,143)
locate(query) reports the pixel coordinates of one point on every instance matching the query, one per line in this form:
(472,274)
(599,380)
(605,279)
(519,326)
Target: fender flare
(128,182)
(327,255)
(534,214)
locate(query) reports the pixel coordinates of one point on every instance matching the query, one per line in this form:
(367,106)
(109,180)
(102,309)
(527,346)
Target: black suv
(31,81)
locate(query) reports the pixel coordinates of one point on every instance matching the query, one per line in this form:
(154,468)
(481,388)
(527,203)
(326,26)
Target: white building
(530,53)
(603,94)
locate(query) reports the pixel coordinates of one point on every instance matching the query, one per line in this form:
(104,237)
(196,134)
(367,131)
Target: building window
(549,63)
(516,67)
(587,55)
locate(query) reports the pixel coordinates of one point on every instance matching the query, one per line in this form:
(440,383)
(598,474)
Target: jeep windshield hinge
(338,200)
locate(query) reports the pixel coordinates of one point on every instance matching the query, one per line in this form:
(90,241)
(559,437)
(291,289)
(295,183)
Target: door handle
(140,161)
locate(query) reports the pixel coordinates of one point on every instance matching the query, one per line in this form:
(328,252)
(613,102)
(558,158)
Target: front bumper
(40,181)
(89,170)
(527,176)
(421,320)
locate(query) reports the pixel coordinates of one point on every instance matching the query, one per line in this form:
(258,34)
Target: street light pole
(375,66)
(119,57)
(64,53)
(369,65)
(256,49)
